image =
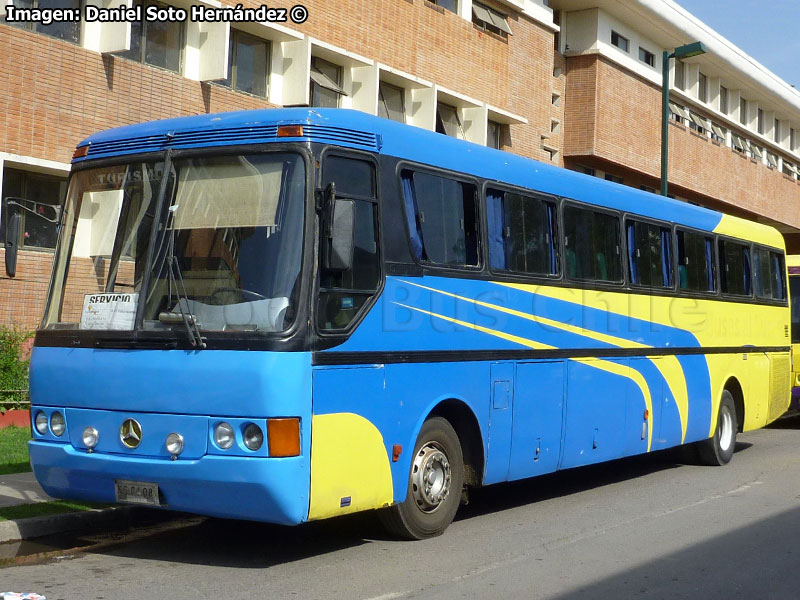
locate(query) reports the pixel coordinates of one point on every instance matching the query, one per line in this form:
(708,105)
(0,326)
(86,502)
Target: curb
(25,529)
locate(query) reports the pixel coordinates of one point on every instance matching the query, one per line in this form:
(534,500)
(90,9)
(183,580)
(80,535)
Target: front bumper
(274,490)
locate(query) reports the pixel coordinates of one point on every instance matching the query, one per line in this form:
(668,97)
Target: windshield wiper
(189,320)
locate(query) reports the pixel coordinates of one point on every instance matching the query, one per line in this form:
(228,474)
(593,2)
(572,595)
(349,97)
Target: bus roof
(355,129)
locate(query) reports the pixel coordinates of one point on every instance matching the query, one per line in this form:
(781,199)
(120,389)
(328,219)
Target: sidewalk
(22,488)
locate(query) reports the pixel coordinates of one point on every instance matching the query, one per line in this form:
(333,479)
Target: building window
(586,170)
(69,31)
(793,139)
(451,5)
(776,131)
(723,100)
(391,102)
(718,133)
(248,60)
(447,121)
(613,178)
(494,135)
(326,82)
(647,57)
(619,41)
(647,188)
(702,88)
(489,19)
(35,193)
(742,111)
(680,75)
(761,121)
(156,43)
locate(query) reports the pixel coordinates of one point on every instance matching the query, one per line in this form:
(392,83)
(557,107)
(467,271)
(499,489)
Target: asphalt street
(646,527)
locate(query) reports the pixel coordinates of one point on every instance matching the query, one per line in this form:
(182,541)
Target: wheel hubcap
(430,477)
(725,430)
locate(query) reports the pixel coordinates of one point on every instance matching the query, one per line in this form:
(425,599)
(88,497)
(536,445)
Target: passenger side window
(734,268)
(770,275)
(521,233)
(592,245)
(695,262)
(442,219)
(343,293)
(649,254)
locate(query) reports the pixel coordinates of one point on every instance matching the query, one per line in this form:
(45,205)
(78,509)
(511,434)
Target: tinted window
(649,254)
(352,177)
(521,233)
(771,276)
(734,268)
(592,245)
(442,219)
(695,262)
(343,293)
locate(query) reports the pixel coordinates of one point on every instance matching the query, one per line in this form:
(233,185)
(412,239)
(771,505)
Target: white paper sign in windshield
(109,311)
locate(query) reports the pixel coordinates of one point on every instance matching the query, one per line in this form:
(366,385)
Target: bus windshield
(226,253)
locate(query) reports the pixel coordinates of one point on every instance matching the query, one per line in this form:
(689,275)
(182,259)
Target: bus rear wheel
(434,484)
(718,449)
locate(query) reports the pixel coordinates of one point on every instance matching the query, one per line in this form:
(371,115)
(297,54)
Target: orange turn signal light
(646,414)
(283,437)
(81,151)
(290,131)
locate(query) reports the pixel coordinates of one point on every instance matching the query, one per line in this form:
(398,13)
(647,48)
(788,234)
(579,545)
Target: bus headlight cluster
(90,437)
(174,444)
(56,422)
(223,436)
(253,437)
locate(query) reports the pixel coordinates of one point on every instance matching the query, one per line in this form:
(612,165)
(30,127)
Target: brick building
(572,82)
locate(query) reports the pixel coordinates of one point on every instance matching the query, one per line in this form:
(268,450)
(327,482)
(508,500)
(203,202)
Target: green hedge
(13,369)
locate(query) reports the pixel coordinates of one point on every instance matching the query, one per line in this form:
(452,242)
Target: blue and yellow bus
(293,314)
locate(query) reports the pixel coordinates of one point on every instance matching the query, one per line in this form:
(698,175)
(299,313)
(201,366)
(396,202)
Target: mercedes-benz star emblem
(130,433)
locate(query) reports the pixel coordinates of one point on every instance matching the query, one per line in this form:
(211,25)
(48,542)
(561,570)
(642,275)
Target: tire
(431,502)
(718,449)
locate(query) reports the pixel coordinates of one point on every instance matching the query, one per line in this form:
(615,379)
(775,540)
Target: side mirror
(11,224)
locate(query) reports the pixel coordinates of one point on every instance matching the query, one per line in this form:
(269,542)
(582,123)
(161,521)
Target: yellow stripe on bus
(669,366)
(603,365)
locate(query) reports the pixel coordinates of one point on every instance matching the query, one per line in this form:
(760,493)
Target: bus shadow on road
(756,560)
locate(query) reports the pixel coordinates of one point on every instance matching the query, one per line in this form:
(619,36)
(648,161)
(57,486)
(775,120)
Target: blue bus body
(538,378)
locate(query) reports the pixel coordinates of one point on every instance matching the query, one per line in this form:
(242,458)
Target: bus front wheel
(718,449)
(434,484)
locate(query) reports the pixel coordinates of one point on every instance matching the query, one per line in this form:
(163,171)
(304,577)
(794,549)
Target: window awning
(678,110)
(756,151)
(718,131)
(699,121)
(491,17)
(326,82)
(772,160)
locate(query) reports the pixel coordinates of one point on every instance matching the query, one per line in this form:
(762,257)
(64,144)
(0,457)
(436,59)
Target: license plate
(136,492)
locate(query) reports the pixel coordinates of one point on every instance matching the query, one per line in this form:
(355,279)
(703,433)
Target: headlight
(253,437)
(57,424)
(90,437)
(223,436)
(174,444)
(41,422)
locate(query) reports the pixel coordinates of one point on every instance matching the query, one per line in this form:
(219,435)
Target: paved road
(648,527)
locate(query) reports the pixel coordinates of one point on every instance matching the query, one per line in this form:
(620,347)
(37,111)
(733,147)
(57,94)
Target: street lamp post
(687,51)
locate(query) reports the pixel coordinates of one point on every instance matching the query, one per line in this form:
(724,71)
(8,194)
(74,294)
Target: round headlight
(57,424)
(40,422)
(90,437)
(174,444)
(223,436)
(253,436)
